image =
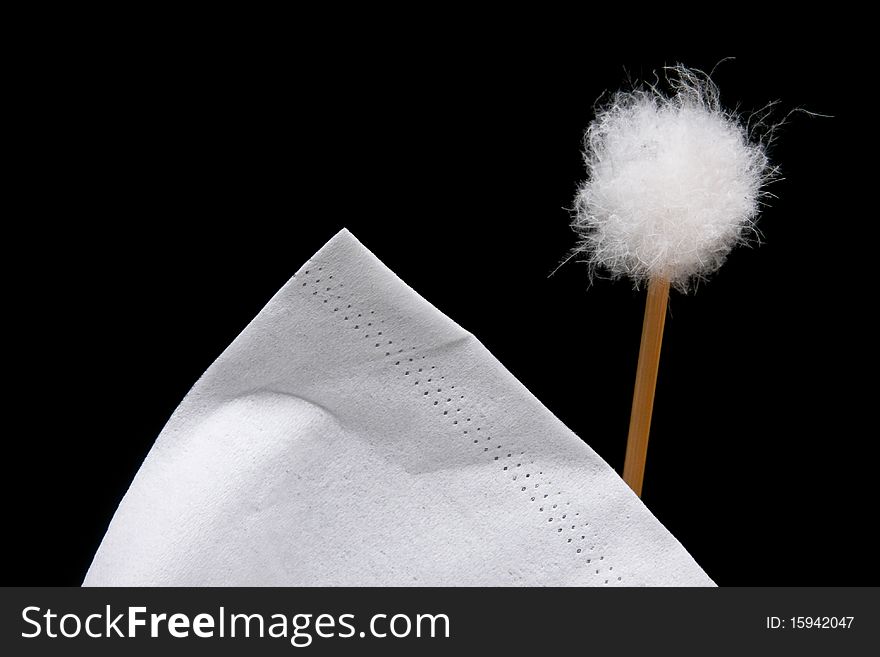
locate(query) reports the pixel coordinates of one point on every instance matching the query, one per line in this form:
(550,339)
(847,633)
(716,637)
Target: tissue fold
(353,435)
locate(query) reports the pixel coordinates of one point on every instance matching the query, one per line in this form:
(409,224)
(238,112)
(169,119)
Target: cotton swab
(674,183)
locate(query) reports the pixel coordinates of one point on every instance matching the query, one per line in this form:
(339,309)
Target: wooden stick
(646,383)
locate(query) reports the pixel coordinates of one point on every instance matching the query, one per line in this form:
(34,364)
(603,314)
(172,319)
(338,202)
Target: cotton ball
(674,183)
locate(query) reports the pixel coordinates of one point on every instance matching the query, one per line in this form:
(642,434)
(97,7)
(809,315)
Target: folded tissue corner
(353,435)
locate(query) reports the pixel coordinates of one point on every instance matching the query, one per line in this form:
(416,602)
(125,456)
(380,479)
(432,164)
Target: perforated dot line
(451,402)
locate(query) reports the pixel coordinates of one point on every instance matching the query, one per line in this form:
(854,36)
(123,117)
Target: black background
(168,196)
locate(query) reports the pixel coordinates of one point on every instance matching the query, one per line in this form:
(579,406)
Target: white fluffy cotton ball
(674,183)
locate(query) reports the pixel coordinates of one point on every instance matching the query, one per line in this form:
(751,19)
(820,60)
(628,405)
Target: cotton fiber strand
(674,183)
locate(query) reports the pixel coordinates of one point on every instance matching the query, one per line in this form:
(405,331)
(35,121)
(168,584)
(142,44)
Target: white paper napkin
(354,435)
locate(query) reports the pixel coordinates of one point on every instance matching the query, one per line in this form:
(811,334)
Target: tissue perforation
(513,460)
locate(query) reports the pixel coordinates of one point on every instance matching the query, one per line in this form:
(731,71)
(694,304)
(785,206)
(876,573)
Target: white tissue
(354,435)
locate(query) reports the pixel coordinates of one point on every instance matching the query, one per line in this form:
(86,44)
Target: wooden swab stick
(646,383)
